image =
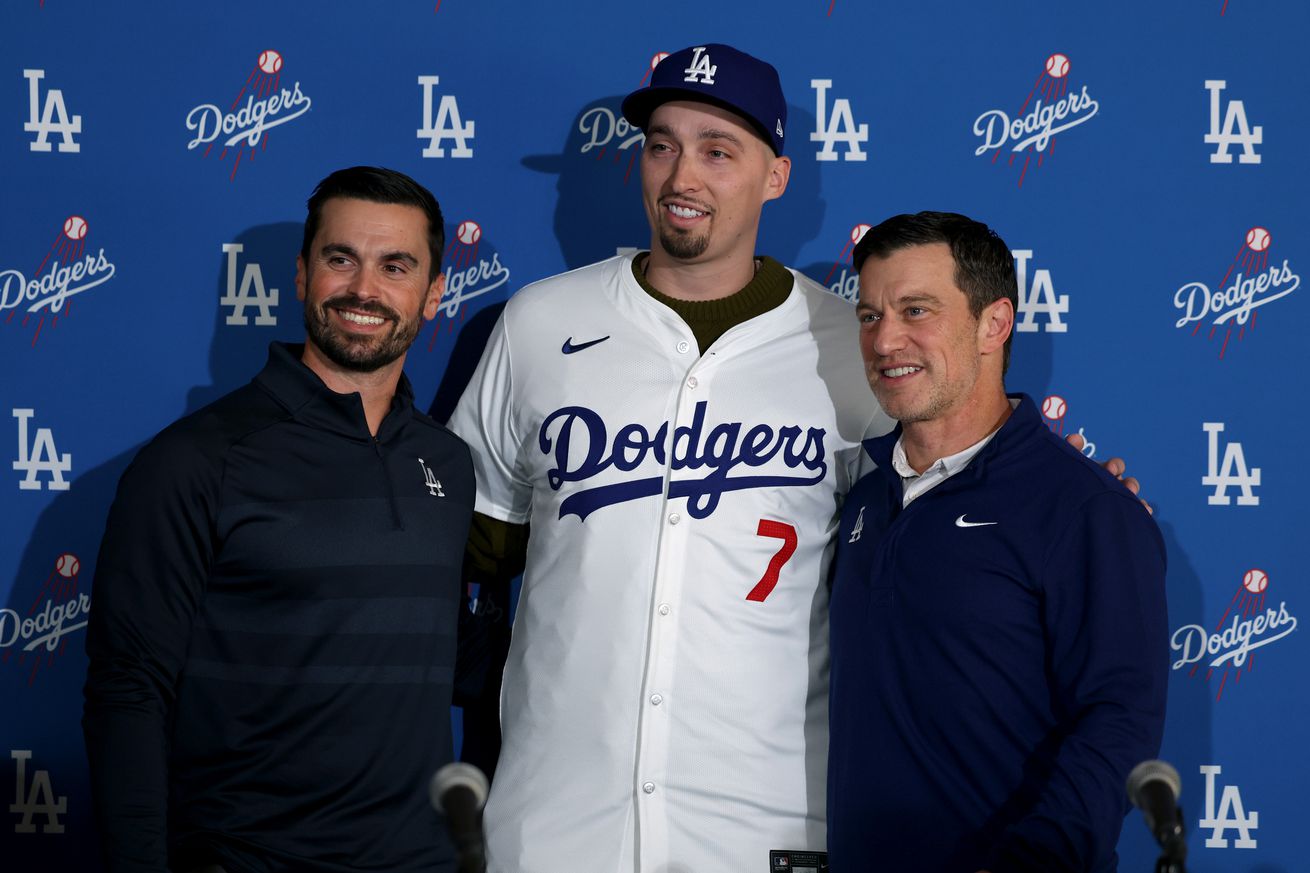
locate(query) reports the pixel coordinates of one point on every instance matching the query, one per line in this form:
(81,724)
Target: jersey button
(683,346)
(664,609)
(656,699)
(648,787)
(692,381)
(674,518)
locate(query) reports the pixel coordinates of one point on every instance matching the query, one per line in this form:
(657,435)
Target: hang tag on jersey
(794,861)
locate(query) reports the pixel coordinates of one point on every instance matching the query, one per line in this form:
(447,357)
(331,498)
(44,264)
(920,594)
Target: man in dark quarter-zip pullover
(273,634)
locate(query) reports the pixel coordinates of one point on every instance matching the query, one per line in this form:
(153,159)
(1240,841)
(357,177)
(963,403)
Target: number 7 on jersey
(778,530)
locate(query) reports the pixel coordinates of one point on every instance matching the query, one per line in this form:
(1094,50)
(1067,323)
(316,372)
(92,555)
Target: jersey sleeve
(1108,654)
(149,582)
(485,419)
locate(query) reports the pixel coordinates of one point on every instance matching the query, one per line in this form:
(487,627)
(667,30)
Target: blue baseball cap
(719,75)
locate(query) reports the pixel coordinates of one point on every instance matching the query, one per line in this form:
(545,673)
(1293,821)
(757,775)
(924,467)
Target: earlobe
(300,277)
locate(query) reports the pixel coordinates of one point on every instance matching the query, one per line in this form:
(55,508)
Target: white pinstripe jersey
(666,695)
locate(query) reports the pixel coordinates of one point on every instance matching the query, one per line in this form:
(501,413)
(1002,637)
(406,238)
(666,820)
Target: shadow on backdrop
(1188,730)
(48,682)
(477,285)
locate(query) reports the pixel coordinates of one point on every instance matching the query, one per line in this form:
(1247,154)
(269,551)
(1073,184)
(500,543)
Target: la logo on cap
(700,69)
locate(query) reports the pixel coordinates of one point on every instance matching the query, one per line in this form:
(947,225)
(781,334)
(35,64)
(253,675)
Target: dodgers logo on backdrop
(249,293)
(580,443)
(837,127)
(245,126)
(604,129)
(1230,814)
(34,638)
(1033,128)
(1250,621)
(67,269)
(35,799)
(1233,473)
(1054,410)
(1039,299)
(1235,131)
(847,282)
(1249,282)
(470,273)
(49,116)
(446,124)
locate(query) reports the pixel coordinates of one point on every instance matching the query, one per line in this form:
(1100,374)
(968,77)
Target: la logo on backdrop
(836,126)
(1051,107)
(49,116)
(1251,280)
(70,266)
(242,128)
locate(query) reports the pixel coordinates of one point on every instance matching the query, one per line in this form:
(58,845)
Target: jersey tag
(795,861)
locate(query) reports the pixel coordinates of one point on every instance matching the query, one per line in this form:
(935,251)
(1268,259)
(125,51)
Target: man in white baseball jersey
(679,428)
(680,454)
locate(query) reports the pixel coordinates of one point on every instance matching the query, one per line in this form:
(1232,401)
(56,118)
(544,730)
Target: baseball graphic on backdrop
(468,232)
(1258,239)
(1255,581)
(858,232)
(67,565)
(270,61)
(1057,66)
(75,227)
(1054,407)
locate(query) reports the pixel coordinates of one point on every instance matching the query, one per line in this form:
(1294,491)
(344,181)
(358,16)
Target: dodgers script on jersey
(665,700)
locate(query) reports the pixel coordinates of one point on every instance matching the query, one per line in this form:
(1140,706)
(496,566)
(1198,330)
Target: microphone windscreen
(1153,771)
(458,775)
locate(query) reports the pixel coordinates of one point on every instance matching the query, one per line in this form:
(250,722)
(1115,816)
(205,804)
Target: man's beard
(361,354)
(683,245)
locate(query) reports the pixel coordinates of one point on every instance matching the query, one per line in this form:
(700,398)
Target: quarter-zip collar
(303,394)
(1018,427)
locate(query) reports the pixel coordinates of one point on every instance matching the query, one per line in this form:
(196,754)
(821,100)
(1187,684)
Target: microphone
(458,792)
(1154,788)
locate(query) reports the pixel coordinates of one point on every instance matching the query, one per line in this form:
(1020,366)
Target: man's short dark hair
(377,185)
(984,267)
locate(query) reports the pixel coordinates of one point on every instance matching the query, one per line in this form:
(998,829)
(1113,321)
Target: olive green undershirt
(710,319)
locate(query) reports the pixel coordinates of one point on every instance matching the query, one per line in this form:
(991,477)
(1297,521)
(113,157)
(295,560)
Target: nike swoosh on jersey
(960,522)
(569,348)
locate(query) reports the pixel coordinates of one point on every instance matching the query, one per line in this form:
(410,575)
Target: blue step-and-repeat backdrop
(1144,160)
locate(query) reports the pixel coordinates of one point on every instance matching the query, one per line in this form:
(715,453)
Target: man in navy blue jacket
(999,638)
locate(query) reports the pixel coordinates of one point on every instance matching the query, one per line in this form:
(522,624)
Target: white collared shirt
(917,484)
